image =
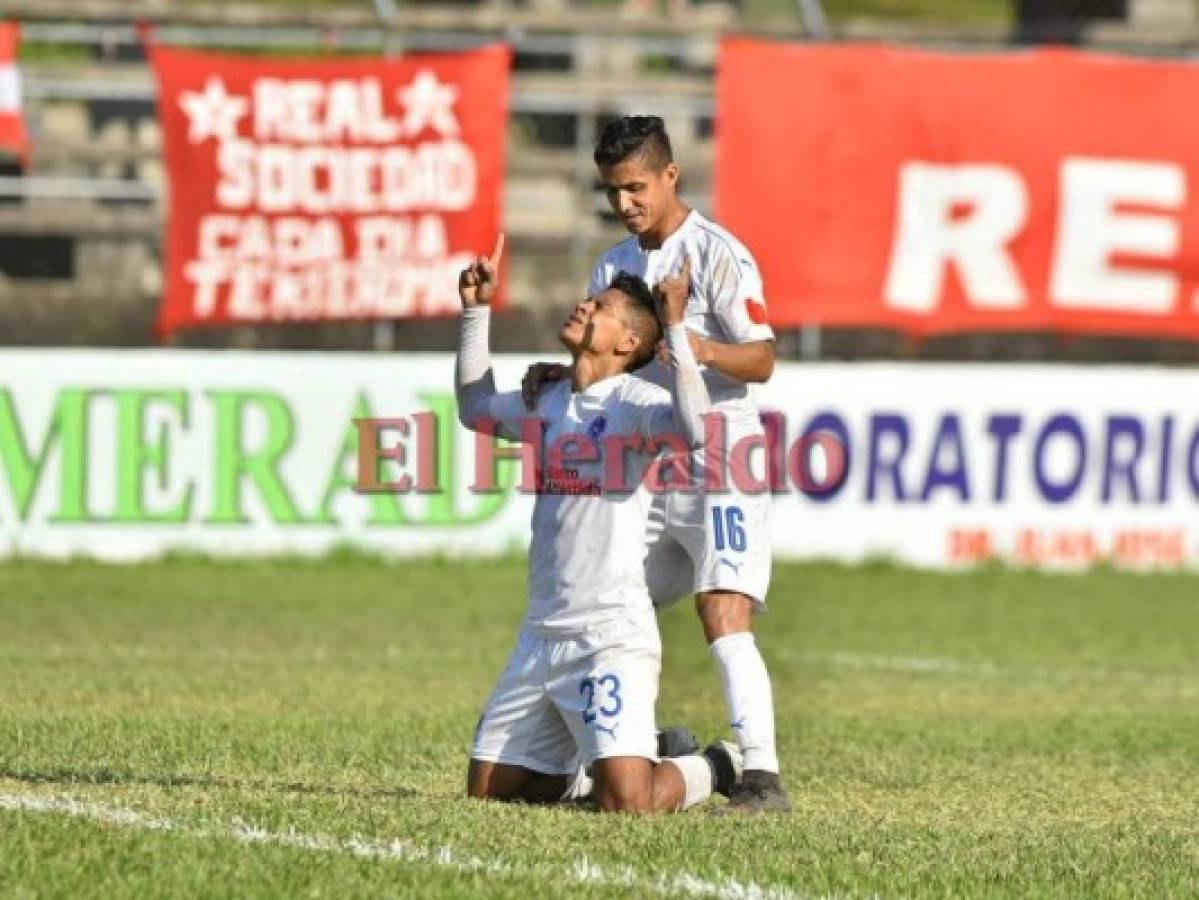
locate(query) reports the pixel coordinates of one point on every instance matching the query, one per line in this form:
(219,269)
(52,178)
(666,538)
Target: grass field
(193,728)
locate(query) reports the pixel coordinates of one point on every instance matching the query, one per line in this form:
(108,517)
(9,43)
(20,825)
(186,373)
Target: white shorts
(565,702)
(699,541)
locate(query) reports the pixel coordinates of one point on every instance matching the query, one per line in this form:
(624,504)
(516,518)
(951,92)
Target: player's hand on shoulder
(701,349)
(672,293)
(478,282)
(538,377)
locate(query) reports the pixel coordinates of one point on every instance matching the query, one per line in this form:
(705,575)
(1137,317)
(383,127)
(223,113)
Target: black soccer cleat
(725,759)
(757,792)
(676,740)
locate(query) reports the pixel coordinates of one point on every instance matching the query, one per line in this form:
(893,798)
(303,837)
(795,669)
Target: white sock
(749,699)
(579,786)
(697,778)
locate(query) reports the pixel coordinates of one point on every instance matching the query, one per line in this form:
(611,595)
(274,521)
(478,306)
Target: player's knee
(483,782)
(623,796)
(490,792)
(478,789)
(723,613)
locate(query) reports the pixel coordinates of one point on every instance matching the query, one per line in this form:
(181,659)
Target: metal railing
(345,39)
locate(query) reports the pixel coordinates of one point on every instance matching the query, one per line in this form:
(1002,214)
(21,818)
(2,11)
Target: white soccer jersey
(728,304)
(586,558)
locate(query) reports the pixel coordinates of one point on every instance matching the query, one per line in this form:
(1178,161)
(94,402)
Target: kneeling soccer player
(581,684)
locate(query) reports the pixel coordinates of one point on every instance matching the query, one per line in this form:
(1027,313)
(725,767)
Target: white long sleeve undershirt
(474,381)
(690,396)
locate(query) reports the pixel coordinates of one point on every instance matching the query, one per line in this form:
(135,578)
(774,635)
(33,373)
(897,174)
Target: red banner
(1048,190)
(306,190)
(12,125)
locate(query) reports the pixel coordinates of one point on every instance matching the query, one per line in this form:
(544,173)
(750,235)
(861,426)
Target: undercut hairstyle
(641,315)
(643,137)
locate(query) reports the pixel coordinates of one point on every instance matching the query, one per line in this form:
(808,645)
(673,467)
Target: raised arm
(474,382)
(688,391)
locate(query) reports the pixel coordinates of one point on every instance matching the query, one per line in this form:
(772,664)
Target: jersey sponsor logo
(756,311)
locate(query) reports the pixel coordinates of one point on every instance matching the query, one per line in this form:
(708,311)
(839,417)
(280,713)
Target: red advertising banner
(307,190)
(927,192)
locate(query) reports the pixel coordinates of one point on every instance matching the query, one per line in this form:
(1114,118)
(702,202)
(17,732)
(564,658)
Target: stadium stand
(81,258)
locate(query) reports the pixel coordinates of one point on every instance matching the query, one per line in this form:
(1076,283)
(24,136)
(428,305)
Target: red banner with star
(317,190)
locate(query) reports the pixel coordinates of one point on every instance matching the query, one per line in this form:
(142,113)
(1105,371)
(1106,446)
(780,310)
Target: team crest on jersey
(756,311)
(597,427)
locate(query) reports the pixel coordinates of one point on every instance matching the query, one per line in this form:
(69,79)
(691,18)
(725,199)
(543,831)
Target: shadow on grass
(115,777)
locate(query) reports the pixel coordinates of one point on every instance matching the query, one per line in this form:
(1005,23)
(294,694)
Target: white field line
(408,852)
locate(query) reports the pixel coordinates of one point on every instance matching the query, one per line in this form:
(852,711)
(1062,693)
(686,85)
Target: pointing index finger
(498,251)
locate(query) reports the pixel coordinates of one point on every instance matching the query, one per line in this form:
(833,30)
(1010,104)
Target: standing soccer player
(581,684)
(713,543)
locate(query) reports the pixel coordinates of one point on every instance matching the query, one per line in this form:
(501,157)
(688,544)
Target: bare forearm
(752,362)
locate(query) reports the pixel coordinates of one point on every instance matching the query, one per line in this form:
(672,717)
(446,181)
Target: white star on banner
(213,113)
(429,103)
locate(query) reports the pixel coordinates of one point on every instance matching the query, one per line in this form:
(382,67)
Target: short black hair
(642,315)
(630,136)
